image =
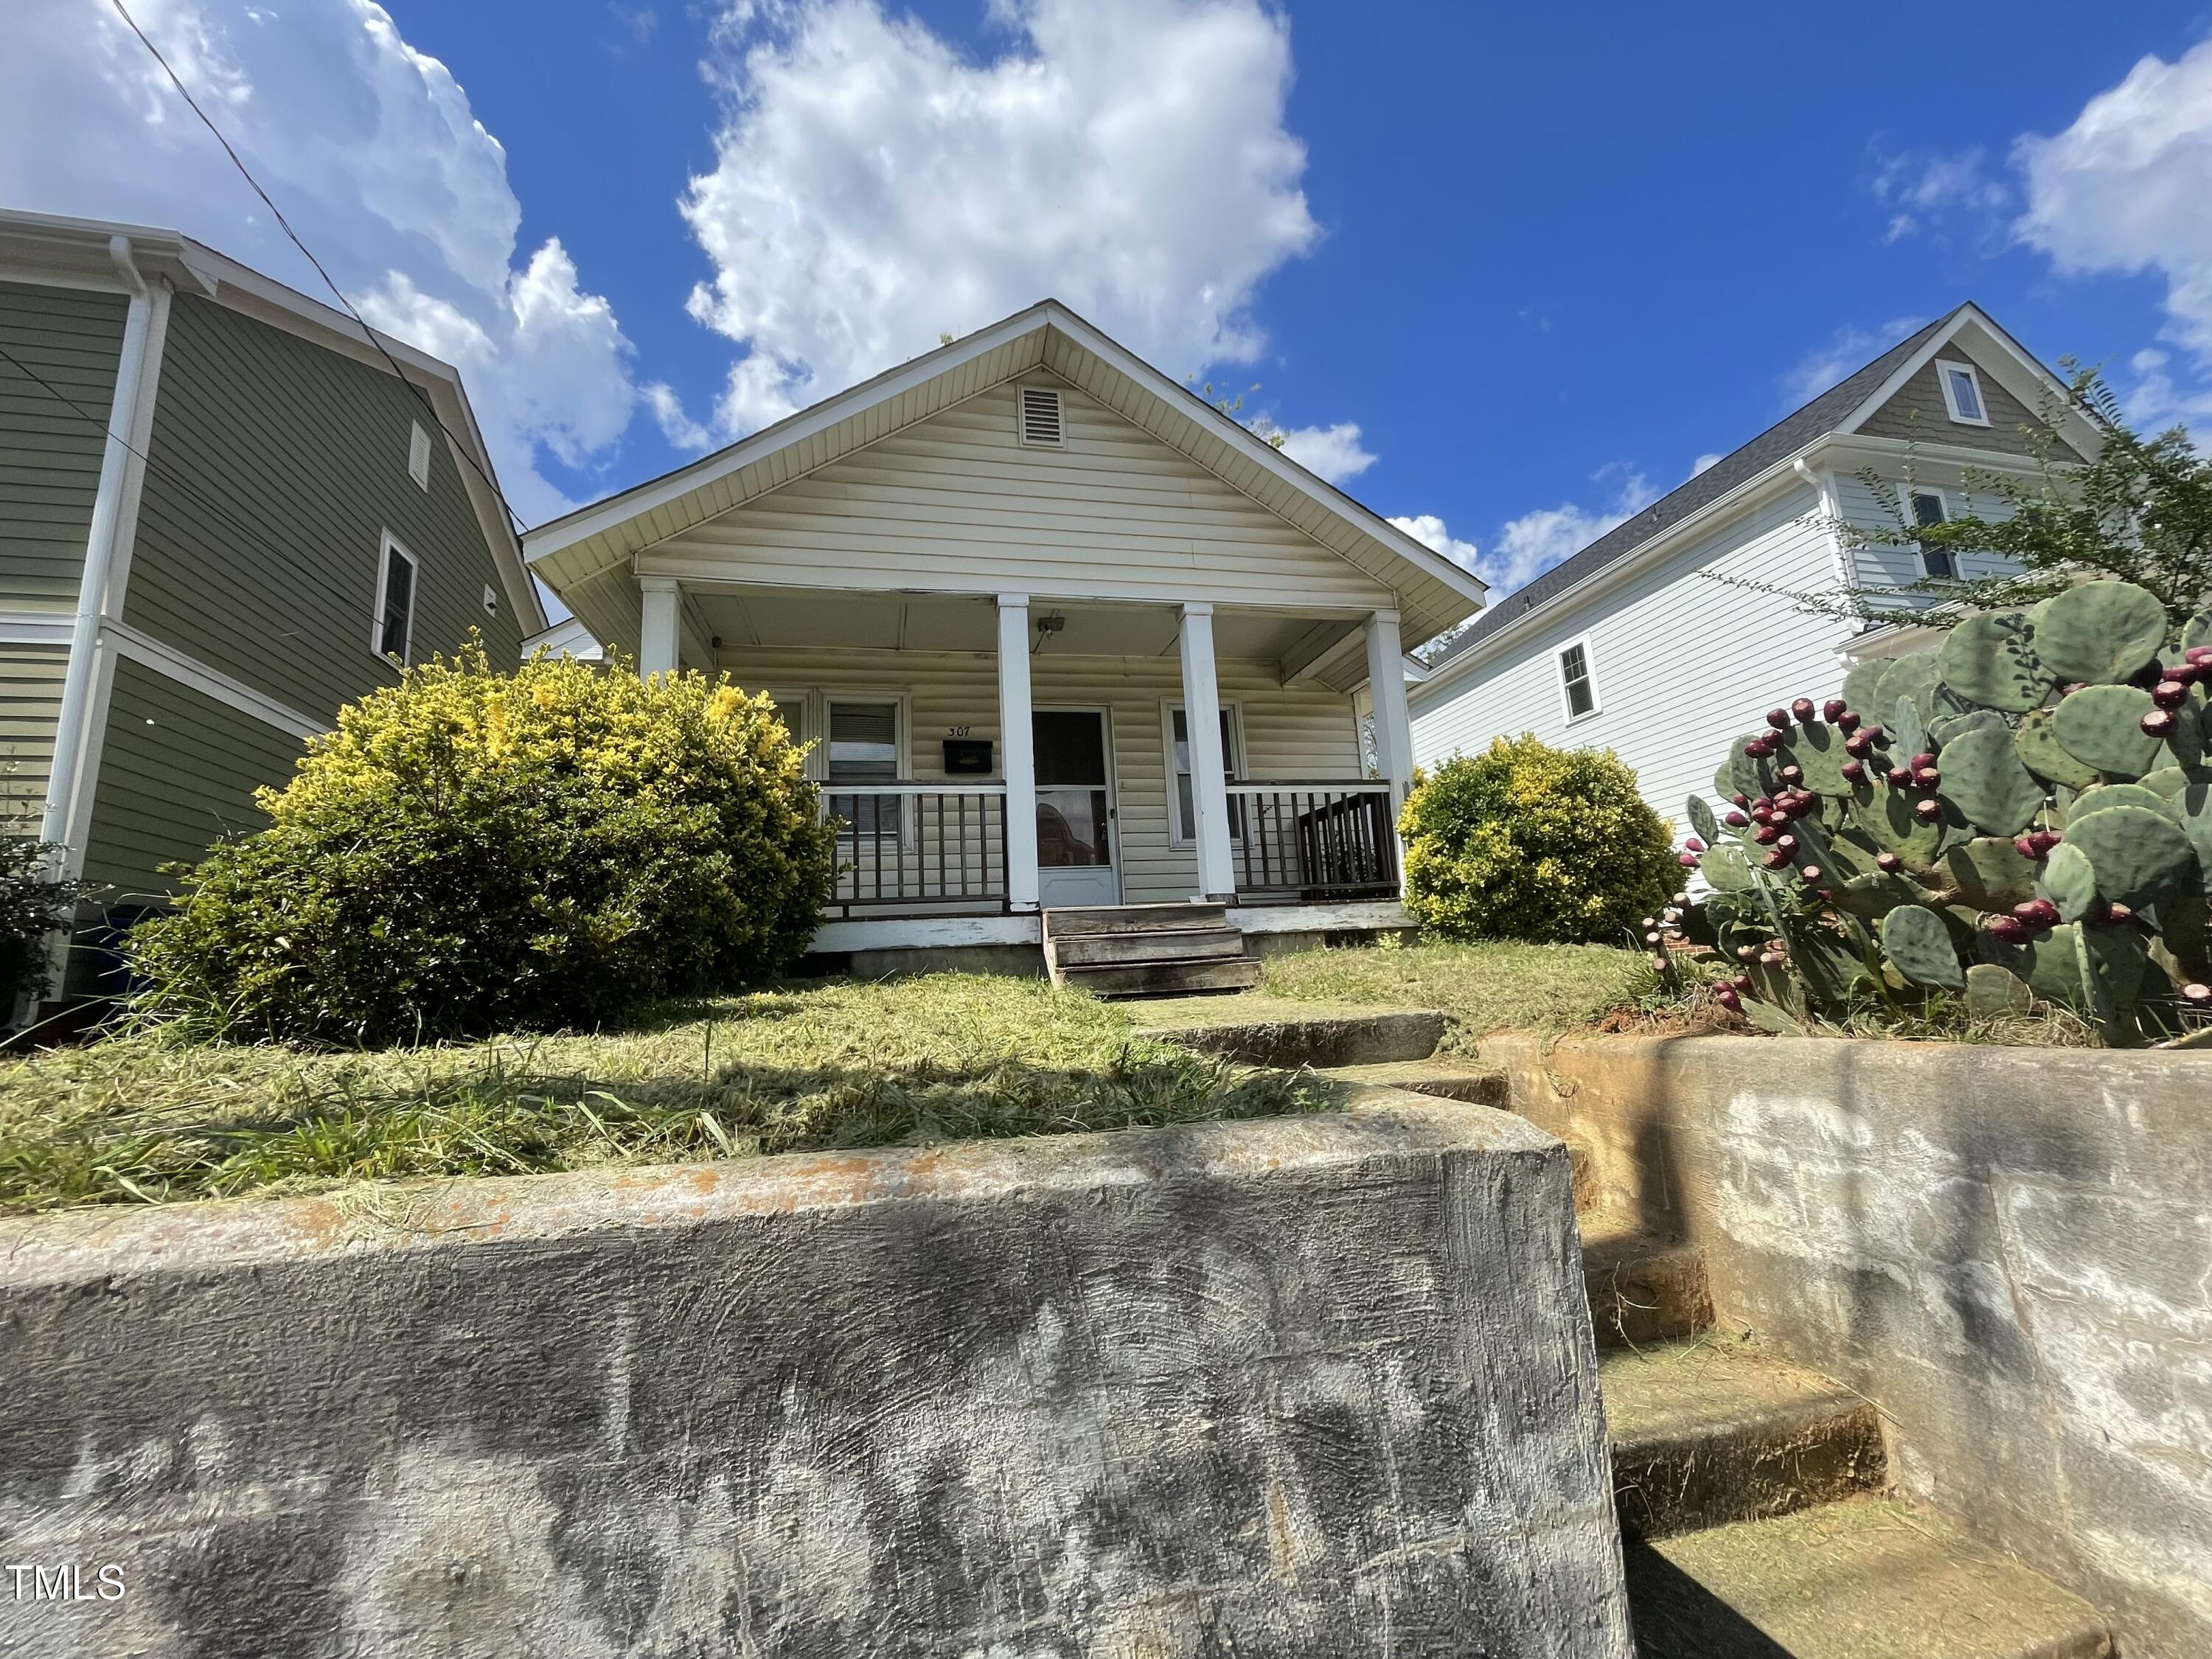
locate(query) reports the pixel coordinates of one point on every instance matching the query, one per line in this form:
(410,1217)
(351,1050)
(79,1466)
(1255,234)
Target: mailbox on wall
(966,757)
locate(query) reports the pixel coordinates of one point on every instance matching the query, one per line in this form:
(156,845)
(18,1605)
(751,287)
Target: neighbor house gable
(958,502)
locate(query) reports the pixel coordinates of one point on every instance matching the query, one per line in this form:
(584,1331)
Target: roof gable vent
(1040,419)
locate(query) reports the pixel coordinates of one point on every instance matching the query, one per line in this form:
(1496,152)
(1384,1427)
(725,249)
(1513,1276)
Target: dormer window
(1962,393)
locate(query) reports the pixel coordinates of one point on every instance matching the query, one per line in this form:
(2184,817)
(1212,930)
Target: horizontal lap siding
(50,452)
(177,771)
(1297,732)
(1917,410)
(30,703)
(1683,663)
(278,466)
(956,502)
(1885,565)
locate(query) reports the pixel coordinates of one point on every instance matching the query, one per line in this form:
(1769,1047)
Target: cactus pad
(1817,749)
(2069,881)
(2139,856)
(2101,725)
(1985,778)
(1877,895)
(1957,726)
(2044,755)
(1725,868)
(1918,941)
(1908,732)
(1861,684)
(2197,630)
(2054,966)
(2100,632)
(2168,780)
(1702,824)
(1991,661)
(1886,818)
(2121,795)
(1992,991)
(1990,874)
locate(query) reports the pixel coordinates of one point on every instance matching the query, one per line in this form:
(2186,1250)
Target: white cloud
(874,186)
(1531,544)
(1921,190)
(1429,530)
(1331,453)
(1848,350)
(1706,461)
(2125,189)
(374,153)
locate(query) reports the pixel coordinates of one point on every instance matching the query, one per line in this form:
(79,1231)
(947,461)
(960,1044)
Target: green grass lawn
(1484,987)
(840,1064)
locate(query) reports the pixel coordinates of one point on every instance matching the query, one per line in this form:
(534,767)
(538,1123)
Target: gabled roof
(82,252)
(1840,409)
(1433,592)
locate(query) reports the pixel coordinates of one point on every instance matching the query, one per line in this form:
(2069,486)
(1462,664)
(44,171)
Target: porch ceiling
(769,618)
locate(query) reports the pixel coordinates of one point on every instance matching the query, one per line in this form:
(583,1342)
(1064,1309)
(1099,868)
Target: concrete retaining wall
(2010,1250)
(1309,1386)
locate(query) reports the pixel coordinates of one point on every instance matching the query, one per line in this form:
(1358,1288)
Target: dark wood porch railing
(936,847)
(1313,842)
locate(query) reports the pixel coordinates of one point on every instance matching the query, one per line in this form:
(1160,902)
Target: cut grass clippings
(147,1118)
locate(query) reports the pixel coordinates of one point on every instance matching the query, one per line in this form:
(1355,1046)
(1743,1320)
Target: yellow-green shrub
(473,852)
(1531,842)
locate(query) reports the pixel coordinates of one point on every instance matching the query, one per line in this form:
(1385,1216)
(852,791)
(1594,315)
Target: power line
(461,445)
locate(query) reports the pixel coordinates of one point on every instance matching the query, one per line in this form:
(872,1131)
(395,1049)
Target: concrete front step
(1446,1080)
(1867,1579)
(1322,1042)
(1116,949)
(1069,922)
(1163,979)
(1713,1432)
(1644,1289)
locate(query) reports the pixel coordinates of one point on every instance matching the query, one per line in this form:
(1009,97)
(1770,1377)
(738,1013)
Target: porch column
(1017,752)
(1202,714)
(1386,689)
(660,630)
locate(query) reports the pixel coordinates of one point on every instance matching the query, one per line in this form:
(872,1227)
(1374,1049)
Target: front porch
(992,757)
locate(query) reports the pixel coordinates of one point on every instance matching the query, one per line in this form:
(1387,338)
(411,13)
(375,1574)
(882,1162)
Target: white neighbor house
(1062,635)
(1632,645)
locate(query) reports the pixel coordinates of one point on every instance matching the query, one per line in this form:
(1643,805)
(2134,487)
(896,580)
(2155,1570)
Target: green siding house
(222,515)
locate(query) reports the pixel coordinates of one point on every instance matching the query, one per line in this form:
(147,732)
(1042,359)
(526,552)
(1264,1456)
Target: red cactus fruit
(2158,722)
(1810,875)
(1854,771)
(1793,774)
(1776,860)
(1879,734)
(1740,799)
(1926,777)
(1742,981)
(1925,758)
(1747,952)
(2196,992)
(2038,913)
(1688,861)
(1834,709)
(1779,719)
(1803,710)
(1899,777)
(2010,929)
(1728,998)
(1859,745)
(2169,693)
(2115,914)
(1849,721)
(1766,835)
(1693,844)
(1888,863)
(1734,820)
(1928,810)
(2198,653)
(1786,844)
(2025,847)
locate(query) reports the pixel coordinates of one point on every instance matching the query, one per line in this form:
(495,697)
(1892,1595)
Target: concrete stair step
(1162,979)
(1111,950)
(1867,1579)
(1447,1079)
(1713,1432)
(1068,923)
(1283,1036)
(1644,1289)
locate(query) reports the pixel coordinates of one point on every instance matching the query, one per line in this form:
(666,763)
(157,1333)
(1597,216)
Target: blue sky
(1504,272)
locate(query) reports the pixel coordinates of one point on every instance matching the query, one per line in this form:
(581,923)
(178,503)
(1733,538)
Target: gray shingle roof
(1784,439)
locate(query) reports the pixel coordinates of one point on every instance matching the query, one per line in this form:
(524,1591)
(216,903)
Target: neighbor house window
(418,455)
(1928,510)
(1576,688)
(1186,823)
(1962,394)
(392,627)
(864,749)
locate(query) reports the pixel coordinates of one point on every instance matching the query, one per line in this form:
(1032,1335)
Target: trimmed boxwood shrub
(1527,841)
(473,852)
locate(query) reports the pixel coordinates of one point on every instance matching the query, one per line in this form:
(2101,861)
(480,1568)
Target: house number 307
(956,730)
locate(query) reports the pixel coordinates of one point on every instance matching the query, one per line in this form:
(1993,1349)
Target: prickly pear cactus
(2021,816)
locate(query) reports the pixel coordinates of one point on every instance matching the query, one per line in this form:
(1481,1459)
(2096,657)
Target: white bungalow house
(1065,638)
(1675,631)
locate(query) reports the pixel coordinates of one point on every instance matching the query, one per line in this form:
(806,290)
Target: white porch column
(1017,751)
(1201,712)
(658,634)
(1386,689)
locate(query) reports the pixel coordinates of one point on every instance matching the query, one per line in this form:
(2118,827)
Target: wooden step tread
(1068,921)
(1183,944)
(1644,1289)
(1163,979)
(1869,1579)
(1715,1431)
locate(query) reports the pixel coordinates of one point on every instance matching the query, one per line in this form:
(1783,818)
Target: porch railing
(938,847)
(1313,842)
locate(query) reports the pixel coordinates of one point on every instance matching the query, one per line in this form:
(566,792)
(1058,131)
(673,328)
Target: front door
(1074,809)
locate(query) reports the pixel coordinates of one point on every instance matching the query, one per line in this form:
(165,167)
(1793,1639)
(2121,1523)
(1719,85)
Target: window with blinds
(864,749)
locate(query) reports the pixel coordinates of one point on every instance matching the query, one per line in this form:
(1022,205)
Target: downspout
(73,721)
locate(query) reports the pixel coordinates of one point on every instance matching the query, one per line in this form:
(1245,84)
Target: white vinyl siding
(1883,565)
(1686,662)
(957,503)
(1301,731)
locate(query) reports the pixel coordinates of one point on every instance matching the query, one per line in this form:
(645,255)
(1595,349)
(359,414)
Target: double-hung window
(1928,510)
(391,625)
(864,749)
(1186,823)
(1578,686)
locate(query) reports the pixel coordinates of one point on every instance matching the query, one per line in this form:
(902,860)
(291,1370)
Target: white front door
(1074,809)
